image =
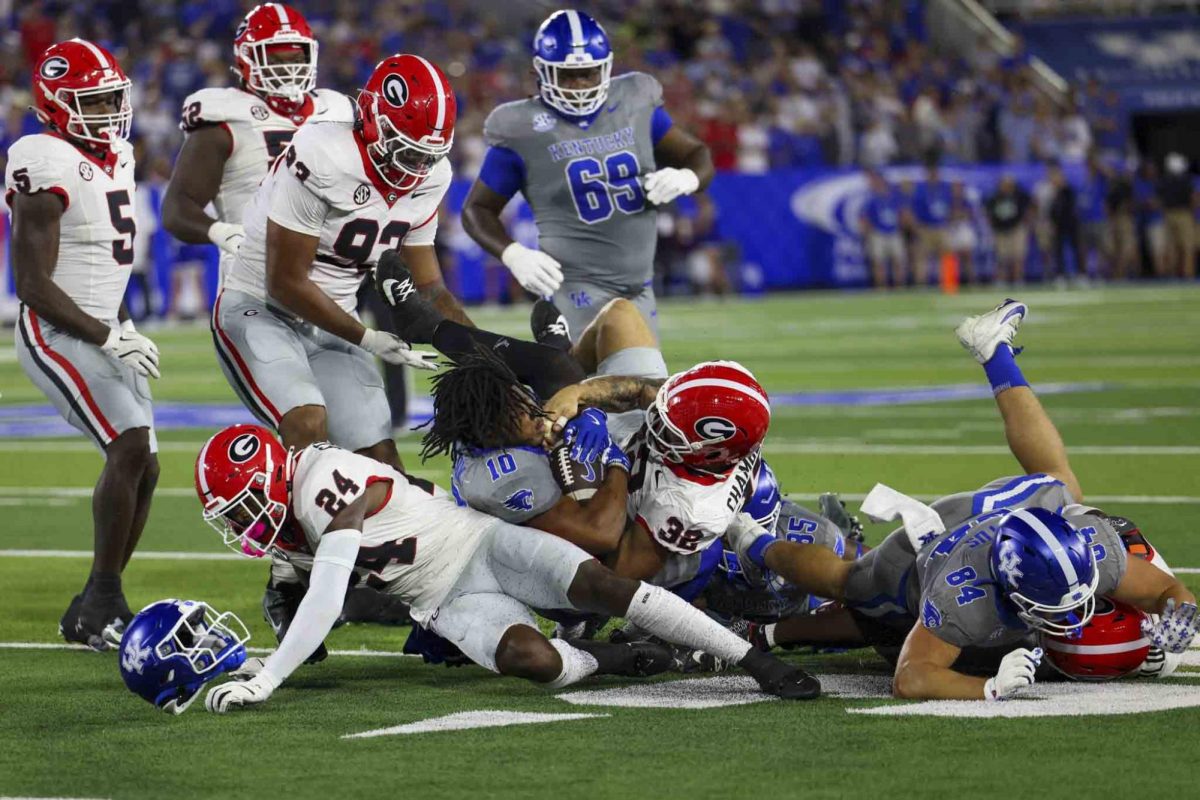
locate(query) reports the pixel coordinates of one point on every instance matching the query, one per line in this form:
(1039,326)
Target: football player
(71,190)
(234,134)
(982,571)
(592,155)
(469,577)
(360,176)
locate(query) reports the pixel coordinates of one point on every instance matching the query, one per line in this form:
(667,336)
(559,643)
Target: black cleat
(365,604)
(85,622)
(834,510)
(780,679)
(693,661)
(634,660)
(415,319)
(549,326)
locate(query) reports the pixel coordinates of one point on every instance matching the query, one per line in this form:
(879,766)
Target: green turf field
(68,728)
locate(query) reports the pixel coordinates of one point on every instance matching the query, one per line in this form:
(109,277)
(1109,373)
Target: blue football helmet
(570,42)
(1047,569)
(765,501)
(173,647)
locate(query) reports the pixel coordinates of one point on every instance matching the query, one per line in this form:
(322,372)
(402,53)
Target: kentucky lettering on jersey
(592,145)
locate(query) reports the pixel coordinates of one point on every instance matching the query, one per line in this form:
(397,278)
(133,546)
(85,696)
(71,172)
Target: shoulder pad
(638,87)
(331,106)
(509,121)
(213,106)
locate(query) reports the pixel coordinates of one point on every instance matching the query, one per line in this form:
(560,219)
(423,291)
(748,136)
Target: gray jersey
(742,589)
(948,586)
(512,483)
(582,182)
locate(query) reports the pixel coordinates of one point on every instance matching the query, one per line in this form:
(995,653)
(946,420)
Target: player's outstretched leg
(524,652)
(549,326)
(667,616)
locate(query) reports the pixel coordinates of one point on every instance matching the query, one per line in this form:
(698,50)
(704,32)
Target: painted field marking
(717,692)
(361,653)
(469,720)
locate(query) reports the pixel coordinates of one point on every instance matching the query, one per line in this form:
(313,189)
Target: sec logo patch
(259,112)
(85,170)
(362,194)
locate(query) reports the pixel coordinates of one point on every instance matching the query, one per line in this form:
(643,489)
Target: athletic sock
(542,368)
(103,586)
(1002,370)
(576,664)
(672,619)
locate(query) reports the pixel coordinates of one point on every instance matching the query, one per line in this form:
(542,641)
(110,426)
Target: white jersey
(325,187)
(95,245)
(685,513)
(258,134)
(415,545)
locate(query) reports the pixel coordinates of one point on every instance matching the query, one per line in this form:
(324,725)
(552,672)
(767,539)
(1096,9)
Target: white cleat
(981,335)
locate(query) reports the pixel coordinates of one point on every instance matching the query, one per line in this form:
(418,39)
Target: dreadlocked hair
(479,402)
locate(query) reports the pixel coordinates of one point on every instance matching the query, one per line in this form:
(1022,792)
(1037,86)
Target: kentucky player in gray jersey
(987,569)
(592,157)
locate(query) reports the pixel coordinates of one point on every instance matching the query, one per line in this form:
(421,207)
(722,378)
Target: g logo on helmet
(395,90)
(243,448)
(715,428)
(55,67)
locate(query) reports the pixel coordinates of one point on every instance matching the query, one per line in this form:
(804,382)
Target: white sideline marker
(723,690)
(469,720)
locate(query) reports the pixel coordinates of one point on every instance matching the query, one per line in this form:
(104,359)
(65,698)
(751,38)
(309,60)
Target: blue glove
(587,434)
(614,456)
(1175,629)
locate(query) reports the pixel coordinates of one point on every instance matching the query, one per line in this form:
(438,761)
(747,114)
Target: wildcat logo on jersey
(55,67)
(1009,563)
(520,500)
(544,122)
(243,448)
(395,90)
(715,428)
(930,615)
(133,658)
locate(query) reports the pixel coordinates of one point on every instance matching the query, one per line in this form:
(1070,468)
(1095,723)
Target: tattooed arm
(613,393)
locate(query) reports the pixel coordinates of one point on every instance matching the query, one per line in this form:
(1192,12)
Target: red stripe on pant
(244,371)
(75,377)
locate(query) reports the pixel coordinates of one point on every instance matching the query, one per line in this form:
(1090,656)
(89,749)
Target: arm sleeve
(30,171)
(503,171)
(293,205)
(321,605)
(660,123)
(514,485)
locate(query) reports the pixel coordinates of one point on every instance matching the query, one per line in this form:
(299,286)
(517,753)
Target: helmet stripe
(97,52)
(1096,649)
(577,40)
(1060,553)
(281,12)
(442,90)
(722,383)
(200,478)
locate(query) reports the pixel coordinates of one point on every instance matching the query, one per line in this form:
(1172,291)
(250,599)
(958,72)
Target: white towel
(921,523)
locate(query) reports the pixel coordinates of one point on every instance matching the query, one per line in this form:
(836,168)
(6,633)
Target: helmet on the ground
(1109,646)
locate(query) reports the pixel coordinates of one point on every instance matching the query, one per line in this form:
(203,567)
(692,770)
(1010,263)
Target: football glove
(614,456)
(132,349)
(1175,629)
(227,236)
(1016,674)
(668,183)
(588,435)
(537,272)
(394,350)
(249,668)
(230,695)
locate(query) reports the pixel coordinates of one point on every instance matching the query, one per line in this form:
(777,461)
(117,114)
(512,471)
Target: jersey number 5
(122,249)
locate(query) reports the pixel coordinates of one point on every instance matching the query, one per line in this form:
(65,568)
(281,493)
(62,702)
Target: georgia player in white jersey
(469,577)
(71,190)
(234,134)
(358,178)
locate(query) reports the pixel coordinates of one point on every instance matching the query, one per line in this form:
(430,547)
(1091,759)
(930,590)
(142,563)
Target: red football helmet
(70,73)
(267,31)
(243,476)
(708,417)
(406,119)
(1110,646)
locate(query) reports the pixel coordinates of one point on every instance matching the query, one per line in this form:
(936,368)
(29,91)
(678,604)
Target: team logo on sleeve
(85,170)
(55,67)
(362,194)
(395,90)
(520,500)
(715,428)
(243,448)
(543,122)
(259,112)
(930,615)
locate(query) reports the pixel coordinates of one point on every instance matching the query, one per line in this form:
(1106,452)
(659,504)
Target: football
(577,481)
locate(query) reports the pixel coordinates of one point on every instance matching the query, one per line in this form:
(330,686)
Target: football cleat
(85,622)
(834,510)
(629,632)
(780,679)
(690,661)
(415,319)
(632,660)
(549,326)
(981,335)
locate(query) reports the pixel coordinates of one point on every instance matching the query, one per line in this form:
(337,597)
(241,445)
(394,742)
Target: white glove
(1015,674)
(226,696)
(249,668)
(394,350)
(227,236)
(668,183)
(130,347)
(1175,629)
(534,270)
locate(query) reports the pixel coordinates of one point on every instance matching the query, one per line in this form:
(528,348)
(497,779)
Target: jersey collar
(108,162)
(389,193)
(296,118)
(583,123)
